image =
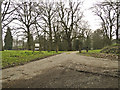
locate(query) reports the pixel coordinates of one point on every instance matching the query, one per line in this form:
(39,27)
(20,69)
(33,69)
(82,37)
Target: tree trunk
(49,49)
(50,34)
(117,23)
(28,40)
(87,49)
(23,45)
(117,39)
(39,45)
(44,41)
(80,48)
(1,41)
(110,34)
(56,48)
(50,42)
(33,47)
(69,45)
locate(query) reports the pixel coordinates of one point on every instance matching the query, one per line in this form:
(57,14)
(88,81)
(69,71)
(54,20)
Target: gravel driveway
(67,70)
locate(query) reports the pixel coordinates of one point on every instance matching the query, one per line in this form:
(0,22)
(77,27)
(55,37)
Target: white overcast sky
(92,19)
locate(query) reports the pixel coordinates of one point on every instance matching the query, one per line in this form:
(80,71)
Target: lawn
(17,57)
(92,51)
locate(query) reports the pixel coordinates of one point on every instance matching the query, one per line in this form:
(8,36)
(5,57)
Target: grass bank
(98,54)
(12,58)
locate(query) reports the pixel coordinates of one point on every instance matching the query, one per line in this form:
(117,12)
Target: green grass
(92,51)
(13,58)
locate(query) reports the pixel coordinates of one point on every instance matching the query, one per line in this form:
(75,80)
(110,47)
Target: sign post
(36,46)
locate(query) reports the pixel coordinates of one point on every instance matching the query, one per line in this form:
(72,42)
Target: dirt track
(67,70)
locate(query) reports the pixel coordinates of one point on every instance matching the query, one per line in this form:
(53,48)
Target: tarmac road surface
(66,70)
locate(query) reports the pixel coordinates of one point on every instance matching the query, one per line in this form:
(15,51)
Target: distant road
(67,70)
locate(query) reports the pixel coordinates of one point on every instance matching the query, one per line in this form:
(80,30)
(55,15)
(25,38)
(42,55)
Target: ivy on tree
(8,40)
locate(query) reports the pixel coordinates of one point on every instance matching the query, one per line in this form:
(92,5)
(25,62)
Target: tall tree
(6,17)
(69,20)
(98,39)
(107,15)
(88,39)
(8,40)
(27,16)
(1,41)
(47,16)
(57,32)
(116,7)
(7,13)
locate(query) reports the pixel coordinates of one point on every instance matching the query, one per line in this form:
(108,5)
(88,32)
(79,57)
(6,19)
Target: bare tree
(27,16)
(47,16)
(57,33)
(69,19)
(107,15)
(83,35)
(117,10)
(38,32)
(116,7)
(5,17)
(7,13)
(1,41)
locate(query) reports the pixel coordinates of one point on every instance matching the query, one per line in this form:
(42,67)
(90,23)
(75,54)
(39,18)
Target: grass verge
(97,54)
(12,58)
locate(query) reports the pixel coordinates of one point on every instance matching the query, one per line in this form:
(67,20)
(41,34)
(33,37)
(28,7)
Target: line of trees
(56,26)
(109,13)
